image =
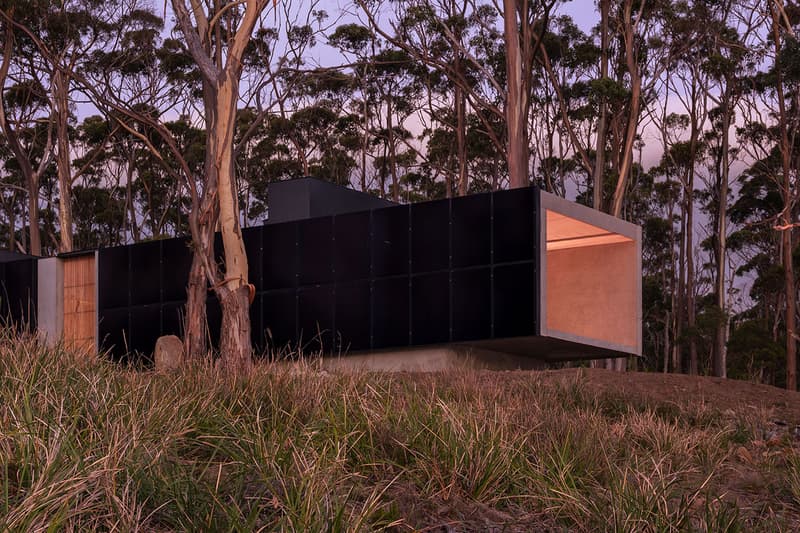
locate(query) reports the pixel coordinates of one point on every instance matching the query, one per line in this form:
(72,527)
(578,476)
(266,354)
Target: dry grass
(87,445)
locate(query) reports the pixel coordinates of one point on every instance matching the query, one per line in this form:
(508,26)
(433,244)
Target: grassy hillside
(85,444)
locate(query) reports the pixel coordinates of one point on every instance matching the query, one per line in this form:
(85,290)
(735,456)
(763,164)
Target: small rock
(168,354)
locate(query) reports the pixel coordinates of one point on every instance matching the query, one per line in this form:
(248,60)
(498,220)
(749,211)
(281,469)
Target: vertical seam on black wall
(371,280)
(450,268)
(161,288)
(491,265)
(334,332)
(409,268)
(128,339)
(296,262)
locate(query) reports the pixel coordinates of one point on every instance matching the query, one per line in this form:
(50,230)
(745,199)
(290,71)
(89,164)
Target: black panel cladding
(280,318)
(351,258)
(252,246)
(390,241)
(458,270)
(112,276)
(315,310)
(472,304)
(18,293)
(390,310)
(513,221)
(430,308)
(280,257)
(353,316)
(514,296)
(145,261)
(472,230)
(430,236)
(315,241)
(176,258)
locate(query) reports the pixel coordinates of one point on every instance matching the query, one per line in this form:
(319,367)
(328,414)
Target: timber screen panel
(435,272)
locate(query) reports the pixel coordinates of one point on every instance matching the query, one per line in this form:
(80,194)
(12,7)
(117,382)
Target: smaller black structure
(18,289)
(308,197)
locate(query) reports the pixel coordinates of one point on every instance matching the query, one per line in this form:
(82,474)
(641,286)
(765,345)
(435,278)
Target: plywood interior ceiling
(566,232)
(80,306)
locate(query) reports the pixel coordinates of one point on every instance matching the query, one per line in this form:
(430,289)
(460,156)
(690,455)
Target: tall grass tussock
(86,444)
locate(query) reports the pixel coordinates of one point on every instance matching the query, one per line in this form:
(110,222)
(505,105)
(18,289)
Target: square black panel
(20,292)
(256,327)
(4,307)
(172,319)
(351,253)
(145,329)
(252,246)
(145,273)
(112,274)
(471,230)
(514,290)
(430,308)
(176,263)
(389,241)
(430,236)
(315,244)
(472,304)
(390,308)
(114,332)
(279,321)
(280,256)
(353,316)
(315,308)
(513,225)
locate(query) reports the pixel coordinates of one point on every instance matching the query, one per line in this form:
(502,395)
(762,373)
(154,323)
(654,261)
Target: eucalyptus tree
(26,119)
(786,84)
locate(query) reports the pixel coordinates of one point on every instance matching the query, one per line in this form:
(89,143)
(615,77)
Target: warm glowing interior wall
(592,292)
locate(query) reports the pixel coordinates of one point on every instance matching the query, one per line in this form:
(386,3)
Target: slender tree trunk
(515,116)
(195,343)
(721,337)
(600,147)
(690,299)
(633,111)
(680,300)
(364,145)
(34,232)
(599,169)
(461,142)
(691,313)
(786,215)
(63,159)
(392,151)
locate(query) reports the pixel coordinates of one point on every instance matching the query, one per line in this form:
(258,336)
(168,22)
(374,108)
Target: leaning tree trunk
(63,160)
(515,117)
(234,289)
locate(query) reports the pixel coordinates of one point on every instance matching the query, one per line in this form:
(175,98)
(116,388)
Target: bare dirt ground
(682,390)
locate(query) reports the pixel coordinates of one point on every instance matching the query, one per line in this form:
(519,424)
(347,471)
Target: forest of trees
(127,121)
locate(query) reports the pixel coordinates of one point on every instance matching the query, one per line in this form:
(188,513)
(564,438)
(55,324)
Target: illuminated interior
(592,283)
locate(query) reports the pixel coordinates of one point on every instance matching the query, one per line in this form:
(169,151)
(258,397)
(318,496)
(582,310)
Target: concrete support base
(433,359)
